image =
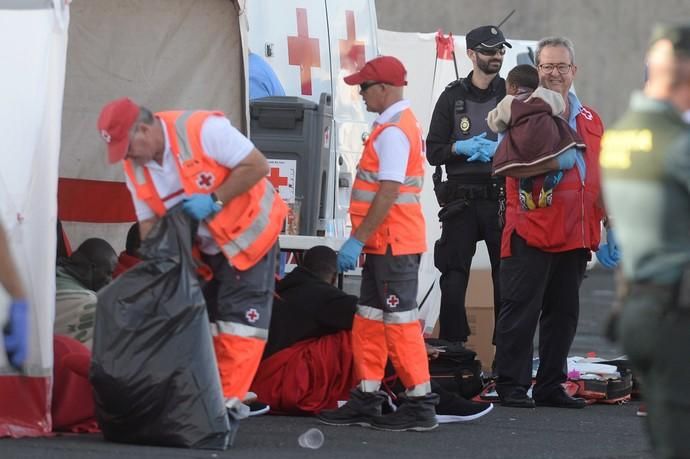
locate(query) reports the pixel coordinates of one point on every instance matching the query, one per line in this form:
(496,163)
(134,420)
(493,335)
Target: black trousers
(464,222)
(541,288)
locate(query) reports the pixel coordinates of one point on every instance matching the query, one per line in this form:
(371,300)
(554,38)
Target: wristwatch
(217,200)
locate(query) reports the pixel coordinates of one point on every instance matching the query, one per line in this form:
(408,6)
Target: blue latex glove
(609,254)
(16,333)
(200,206)
(349,253)
(471,146)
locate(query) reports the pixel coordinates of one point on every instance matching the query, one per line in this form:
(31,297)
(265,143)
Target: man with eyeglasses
(472,200)
(388,225)
(545,252)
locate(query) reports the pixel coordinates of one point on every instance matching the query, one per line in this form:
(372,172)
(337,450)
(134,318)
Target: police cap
(485,36)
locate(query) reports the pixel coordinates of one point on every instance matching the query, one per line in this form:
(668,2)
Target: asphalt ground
(598,431)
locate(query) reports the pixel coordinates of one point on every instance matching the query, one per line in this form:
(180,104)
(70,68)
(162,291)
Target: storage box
(479,303)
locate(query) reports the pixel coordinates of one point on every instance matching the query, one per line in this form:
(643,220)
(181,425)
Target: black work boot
(414,413)
(360,410)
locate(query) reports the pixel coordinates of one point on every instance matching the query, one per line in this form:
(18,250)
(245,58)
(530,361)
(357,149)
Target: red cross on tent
(392,301)
(303,51)
(276,179)
(351,50)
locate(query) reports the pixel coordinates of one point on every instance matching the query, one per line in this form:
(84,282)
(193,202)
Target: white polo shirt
(222,142)
(392,145)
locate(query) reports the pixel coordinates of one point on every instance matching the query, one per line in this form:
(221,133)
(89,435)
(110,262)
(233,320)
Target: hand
(200,206)
(349,253)
(480,156)
(16,333)
(609,254)
(470,146)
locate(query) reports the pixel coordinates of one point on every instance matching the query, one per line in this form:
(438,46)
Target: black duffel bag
(456,368)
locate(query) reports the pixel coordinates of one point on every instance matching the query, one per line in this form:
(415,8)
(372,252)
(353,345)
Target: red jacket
(573,220)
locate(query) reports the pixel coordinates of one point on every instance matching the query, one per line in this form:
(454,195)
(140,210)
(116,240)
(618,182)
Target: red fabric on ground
(72,409)
(310,376)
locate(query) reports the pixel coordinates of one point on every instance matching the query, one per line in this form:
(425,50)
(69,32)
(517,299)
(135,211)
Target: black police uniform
(472,200)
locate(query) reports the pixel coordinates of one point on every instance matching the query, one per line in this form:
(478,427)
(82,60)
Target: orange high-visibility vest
(248,225)
(403,228)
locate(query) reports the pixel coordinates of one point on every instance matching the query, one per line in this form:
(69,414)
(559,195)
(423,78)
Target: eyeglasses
(562,68)
(490,51)
(368,84)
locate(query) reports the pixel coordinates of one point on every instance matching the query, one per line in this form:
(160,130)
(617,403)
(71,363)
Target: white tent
(164,54)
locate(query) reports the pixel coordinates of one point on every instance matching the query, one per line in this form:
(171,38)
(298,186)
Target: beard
(489,66)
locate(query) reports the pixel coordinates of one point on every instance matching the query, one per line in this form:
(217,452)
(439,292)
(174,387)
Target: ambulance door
(352,33)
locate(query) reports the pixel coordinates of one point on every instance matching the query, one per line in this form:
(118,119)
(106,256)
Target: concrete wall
(610,36)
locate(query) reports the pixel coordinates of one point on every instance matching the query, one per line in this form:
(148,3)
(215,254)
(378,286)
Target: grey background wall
(610,36)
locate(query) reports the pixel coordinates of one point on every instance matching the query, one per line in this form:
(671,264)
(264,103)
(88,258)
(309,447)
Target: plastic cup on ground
(311,439)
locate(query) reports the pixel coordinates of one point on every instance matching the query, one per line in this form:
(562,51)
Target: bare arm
(383,201)
(9,277)
(245,175)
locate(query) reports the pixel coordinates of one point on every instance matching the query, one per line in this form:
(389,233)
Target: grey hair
(555,41)
(145,116)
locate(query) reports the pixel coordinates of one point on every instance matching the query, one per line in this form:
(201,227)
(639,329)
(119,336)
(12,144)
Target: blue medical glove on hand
(349,253)
(608,254)
(490,147)
(470,146)
(200,206)
(16,333)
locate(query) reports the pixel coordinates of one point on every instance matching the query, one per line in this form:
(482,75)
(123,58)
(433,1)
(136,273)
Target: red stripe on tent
(24,410)
(94,201)
(444,46)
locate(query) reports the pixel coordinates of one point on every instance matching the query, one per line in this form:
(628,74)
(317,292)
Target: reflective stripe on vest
(241,243)
(368,197)
(185,149)
(237,329)
(373,178)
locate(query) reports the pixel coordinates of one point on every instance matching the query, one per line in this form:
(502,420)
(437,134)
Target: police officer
(471,200)
(646,166)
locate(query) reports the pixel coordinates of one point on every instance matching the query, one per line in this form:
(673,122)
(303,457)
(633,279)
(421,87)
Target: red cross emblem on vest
(392,301)
(252,315)
(205,180)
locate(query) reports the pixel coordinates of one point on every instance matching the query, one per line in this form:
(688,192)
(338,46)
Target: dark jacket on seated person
(307,307)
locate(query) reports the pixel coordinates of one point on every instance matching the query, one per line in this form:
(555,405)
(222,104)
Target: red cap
(383,69)
(114,123)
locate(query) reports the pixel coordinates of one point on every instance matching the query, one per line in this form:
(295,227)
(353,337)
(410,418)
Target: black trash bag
(153,369)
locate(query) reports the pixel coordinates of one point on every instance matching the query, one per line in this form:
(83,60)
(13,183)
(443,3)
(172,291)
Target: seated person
(536,135)
(78,278)
(130,256)
(307,364)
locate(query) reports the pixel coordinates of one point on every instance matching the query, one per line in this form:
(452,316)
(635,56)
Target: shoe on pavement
(559,399)
(642,410)
(360,410)
(414,413)
(518,398)
(458,409)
